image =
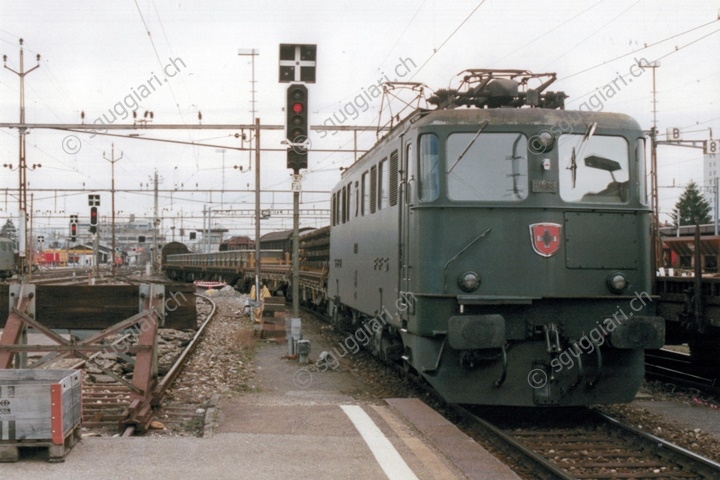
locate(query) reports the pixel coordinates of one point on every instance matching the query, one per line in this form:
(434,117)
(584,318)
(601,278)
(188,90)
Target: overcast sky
(96,55)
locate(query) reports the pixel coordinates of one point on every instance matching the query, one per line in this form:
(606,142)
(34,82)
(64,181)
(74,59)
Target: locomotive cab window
(487,166)
(594,168)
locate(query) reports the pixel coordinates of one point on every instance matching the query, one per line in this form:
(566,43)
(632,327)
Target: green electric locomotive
(498,245)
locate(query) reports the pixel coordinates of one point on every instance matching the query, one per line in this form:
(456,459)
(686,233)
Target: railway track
(81,275)
(584,443)
(105,403)
(676,368)
(579,443)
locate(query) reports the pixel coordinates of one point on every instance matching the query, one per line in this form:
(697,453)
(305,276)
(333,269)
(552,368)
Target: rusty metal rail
(587,444)
(172,374)
(169,378)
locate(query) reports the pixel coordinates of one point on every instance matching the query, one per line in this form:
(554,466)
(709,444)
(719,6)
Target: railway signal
(73,227)
(93,219)
(297,126)
(298,63)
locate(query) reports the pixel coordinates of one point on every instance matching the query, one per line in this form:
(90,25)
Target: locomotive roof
(502,116)
(526,116)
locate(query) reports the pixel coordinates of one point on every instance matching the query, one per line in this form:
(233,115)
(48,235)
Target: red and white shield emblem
(545,238)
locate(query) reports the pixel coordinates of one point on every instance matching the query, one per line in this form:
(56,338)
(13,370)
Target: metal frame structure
(142,388)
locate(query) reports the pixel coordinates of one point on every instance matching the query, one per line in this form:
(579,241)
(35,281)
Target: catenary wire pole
(252,53)
(22,167)
(156,224)
(257,211)
(112,161)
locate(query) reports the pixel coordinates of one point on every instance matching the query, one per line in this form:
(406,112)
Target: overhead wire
(577,44)
(548,32)
(560,79)
(157,56)
(435,51)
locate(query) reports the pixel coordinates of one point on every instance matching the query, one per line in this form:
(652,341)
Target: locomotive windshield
(487,166)
(594,170)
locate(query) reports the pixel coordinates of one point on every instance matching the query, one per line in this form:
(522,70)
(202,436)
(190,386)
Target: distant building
(237,243)
(215,239)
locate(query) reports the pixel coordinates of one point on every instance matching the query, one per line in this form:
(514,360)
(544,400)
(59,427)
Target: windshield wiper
(580,149)
(482,127)
(514,166)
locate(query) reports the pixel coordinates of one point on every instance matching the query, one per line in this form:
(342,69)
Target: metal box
(39,406)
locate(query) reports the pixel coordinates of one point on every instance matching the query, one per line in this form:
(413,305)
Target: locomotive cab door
(407,201)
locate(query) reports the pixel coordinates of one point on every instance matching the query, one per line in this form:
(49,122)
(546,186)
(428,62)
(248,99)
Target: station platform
(333,429)
(299,442)
(307,439)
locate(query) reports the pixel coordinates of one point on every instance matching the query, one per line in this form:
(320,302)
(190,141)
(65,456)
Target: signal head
(297,126)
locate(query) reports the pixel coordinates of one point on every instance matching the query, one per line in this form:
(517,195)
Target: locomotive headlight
(617,282)
(469,281)
(542,142)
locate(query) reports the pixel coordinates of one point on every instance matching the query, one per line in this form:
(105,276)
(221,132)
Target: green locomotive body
(502,253)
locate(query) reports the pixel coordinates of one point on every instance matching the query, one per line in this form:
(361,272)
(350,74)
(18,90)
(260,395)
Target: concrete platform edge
(463,452)
(211,417)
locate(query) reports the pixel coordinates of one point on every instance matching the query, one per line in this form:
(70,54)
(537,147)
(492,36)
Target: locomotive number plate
(544,186)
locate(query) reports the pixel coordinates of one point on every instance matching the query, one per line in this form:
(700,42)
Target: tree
(8,230)
(691,208)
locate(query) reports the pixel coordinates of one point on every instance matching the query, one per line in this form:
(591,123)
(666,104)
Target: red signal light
(297,126)
(93,216)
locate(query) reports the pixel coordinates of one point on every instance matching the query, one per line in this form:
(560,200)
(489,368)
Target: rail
(169,378)
(586,443)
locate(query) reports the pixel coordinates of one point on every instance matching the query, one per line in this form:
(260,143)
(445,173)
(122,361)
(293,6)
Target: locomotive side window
(409,164)
(593,169)
(373,189)
(337,208)
(383,183)
(640,155)
(344,205)
(356,197)
(365,194)
(349,200)
(487,167)
(333,209)
(428,184)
